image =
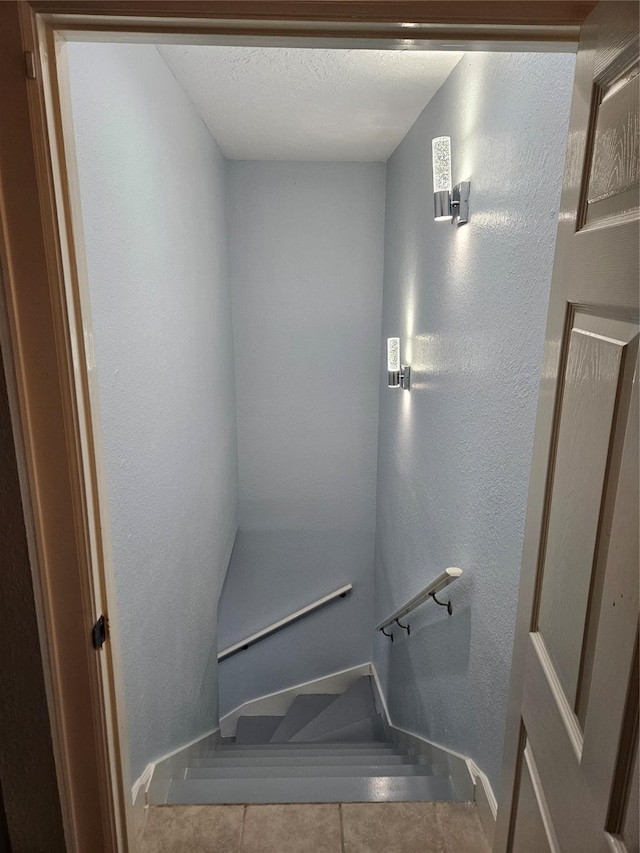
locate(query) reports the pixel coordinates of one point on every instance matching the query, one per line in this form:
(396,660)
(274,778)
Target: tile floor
(326,828)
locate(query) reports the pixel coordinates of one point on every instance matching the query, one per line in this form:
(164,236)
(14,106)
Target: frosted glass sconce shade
(441,151)
(393,355)
(398,374)
(441,162)
(448,202)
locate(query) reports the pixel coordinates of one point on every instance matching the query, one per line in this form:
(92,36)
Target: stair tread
(259,729)
(293,760)
(367,729)
(354,704)
(290,771)
(303,709)
(327,789)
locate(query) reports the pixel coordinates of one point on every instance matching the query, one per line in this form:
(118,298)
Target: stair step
(303,709)
(354,704)
(253,730)
(321,746)
(300,760)
(285,772)
(370,728)
(327,789)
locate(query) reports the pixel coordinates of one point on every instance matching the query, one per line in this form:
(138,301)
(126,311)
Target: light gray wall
(153,185)
(307,254)
(470,306)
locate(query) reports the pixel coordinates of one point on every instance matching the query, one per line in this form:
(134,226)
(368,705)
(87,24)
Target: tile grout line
(244,818)
(342,849)
(438,822)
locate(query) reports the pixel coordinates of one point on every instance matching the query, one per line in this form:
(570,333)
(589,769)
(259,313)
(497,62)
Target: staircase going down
(326,748)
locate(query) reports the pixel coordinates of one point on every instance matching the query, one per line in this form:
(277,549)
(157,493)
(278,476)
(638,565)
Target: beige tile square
(461,828)
(292,829)
(192,829)
(391,827)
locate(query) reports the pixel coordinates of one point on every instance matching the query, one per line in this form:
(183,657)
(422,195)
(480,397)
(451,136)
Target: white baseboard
(482,791)
(138,810)
(432,743)
(436,752)
(278,703)
(161,769)
(139,797)
(142,782)
(379,695)
(485,800)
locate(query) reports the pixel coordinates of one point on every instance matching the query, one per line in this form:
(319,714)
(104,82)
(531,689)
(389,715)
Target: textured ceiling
(302,104)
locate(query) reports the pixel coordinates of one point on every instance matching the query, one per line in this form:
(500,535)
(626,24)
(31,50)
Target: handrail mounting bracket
(446,604)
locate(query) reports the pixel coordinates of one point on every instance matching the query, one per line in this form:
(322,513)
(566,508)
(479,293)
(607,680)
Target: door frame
(46,329)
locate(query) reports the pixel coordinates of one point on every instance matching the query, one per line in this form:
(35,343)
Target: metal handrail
(430,591)
(284,623)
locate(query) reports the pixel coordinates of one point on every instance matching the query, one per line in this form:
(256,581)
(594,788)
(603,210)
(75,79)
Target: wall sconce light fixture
(449,203)
(399,374)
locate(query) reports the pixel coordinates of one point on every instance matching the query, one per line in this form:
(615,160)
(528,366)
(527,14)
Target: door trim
(431,22)
(50,344)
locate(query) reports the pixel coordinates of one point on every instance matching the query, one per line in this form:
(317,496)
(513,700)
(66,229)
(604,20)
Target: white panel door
(571,760)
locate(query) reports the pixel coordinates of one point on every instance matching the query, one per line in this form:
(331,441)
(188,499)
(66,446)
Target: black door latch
(99,633)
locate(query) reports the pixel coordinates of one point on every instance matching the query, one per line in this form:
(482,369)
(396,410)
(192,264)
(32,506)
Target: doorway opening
(257,223)
(412,439)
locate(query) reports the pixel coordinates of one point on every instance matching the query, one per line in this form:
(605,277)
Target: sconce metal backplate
(400,378)
(460,202)
(405,377)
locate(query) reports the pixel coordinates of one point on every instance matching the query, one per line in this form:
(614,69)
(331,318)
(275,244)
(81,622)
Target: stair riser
(310,751)
(256,729)
(352,706)
(370,728)
(301,712)
(270,747)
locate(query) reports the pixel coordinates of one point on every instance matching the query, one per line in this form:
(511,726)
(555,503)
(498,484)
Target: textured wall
(27,770)
(153,185)
(470,306)
(307,254)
